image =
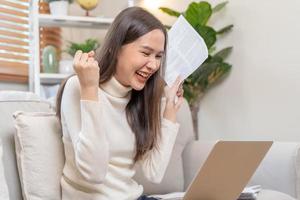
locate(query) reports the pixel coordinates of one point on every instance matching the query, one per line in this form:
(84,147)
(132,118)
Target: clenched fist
(174,97)
(87,70)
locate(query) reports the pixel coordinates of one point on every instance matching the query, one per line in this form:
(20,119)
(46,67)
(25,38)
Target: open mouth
(143,75)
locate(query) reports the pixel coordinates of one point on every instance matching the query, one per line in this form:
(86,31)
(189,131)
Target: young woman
(113,115)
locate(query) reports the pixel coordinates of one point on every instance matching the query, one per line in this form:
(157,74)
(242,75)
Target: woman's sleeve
(155,162)
(83,120)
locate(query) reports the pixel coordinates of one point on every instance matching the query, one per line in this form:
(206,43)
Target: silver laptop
(226,171)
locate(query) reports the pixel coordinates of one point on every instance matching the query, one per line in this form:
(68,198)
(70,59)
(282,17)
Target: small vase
(49,59)
(59,8)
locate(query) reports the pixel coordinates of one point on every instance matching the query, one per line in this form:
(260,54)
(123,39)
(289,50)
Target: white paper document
(186,51)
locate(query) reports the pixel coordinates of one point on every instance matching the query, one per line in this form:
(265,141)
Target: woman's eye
(146,53)
(159,56)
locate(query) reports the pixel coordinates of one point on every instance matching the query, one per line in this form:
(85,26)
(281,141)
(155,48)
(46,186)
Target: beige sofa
(277,174)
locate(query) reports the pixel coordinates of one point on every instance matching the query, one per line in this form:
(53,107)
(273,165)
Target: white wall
(260,99)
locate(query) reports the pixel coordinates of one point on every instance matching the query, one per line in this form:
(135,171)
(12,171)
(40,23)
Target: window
(14,40)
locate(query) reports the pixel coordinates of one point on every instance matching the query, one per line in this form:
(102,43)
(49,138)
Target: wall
(260,99)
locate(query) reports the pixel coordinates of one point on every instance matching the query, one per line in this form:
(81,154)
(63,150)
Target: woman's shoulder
(72,82)
(72,86)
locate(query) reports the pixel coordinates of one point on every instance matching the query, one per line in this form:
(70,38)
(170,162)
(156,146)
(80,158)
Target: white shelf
(37,79)
(49,78)
(74,21)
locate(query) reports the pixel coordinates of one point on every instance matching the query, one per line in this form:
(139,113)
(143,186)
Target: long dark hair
(144,108)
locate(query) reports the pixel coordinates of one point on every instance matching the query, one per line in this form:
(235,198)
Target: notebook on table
(226,171)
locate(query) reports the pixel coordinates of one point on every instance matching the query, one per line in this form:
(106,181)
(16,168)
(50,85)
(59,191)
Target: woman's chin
(138,87)
(138,83)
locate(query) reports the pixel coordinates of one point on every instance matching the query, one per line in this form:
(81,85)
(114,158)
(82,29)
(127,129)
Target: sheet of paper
(186,51)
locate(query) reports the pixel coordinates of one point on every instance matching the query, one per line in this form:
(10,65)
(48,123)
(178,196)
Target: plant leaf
(198,13)
(219,7)
(211,49)
(87,46)
(225,29)
(221,70)
(209,35)
(170,12)
(224,53)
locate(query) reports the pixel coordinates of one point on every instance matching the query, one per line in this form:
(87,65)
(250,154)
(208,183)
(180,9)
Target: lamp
(152,4)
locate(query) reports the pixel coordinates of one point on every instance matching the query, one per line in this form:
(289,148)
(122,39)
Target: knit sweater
(100,146)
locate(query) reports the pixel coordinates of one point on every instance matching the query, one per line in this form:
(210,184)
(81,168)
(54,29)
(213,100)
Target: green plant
(214,68)
(87,46)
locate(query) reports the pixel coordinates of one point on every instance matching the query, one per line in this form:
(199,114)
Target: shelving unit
(74,21)
(48,78)
(36,78)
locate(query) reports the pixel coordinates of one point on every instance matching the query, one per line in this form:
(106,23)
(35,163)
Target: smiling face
(140,59)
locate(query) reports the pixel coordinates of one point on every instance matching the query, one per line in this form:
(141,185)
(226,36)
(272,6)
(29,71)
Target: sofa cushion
(40,155)
(3,185)
(9,95)
(273,195)
(279,170)
(173,180)
(8,107)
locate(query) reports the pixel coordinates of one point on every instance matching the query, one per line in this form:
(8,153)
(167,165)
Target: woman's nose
(152,64)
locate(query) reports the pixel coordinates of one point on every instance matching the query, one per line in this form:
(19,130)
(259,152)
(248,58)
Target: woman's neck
(115,88)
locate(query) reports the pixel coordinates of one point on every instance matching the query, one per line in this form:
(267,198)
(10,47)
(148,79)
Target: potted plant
(59,7)
(66,66)
(87,46)
(215,67)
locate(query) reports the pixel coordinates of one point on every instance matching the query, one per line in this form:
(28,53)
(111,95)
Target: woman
(111,112)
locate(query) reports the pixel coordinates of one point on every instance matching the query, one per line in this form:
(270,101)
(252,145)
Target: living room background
(260,98)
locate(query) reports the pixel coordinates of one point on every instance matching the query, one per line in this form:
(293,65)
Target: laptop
(226,171)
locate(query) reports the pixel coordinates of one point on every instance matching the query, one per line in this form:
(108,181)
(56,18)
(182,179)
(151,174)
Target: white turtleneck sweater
(100,146)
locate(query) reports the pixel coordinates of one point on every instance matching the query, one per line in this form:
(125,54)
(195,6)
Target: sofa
(278,174)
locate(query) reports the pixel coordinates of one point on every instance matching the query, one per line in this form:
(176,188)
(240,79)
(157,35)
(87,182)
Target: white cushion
(7,132)
(40,156)
(3,185)
(9,95)
(273,195)
(279,169)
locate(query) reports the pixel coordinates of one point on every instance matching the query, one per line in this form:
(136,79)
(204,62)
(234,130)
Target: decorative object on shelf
(44,7)
(214,68)
(88,5)
(66,66)
(48,35)
(59,7)
(87,46)
(49,59)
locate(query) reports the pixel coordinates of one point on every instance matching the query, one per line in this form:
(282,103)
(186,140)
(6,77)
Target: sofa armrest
(194,156)
(278,171)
